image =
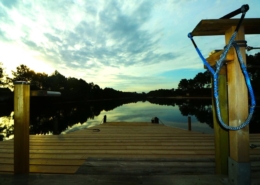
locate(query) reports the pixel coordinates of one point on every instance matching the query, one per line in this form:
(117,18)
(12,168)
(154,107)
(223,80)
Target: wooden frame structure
(233,95)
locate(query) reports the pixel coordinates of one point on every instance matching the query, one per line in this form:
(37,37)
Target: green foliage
(23,73)
(198,84)
(162,93)
(3,76)
(71,88)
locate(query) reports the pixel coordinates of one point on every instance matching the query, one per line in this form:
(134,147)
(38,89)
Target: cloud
(9,3)
(106,34)
(101,41)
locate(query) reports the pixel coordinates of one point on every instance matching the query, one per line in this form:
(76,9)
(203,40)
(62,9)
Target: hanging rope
(219,64)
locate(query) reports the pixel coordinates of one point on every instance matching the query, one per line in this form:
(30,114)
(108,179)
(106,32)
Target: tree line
(71,88)
(78,89)
(200,85)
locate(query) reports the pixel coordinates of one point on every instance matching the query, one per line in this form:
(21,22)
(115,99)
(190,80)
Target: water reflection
(57,118)
(6,127)
(200,108)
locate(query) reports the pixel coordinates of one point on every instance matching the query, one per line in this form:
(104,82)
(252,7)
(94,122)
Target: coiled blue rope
(215,74)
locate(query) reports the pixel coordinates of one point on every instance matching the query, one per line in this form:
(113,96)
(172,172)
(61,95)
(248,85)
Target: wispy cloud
(97,40)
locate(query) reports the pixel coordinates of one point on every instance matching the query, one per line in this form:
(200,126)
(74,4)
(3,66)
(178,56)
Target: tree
(3,76)
(23,73)
(39,81)
(202,80)
(56,82)
(183,84)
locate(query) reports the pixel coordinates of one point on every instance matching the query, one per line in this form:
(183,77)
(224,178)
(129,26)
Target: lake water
(143,112)
(63,118)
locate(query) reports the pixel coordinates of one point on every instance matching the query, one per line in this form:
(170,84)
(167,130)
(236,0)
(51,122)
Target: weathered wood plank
(21,127)
(238,102)
(71,145)
(220,26)
(42,169)
(115,147)
(118,151)
(221,135)
(60,162)
(65,153)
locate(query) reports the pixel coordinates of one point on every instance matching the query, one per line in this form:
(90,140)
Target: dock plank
(119,141)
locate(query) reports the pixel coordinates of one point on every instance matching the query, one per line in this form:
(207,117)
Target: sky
(128,45)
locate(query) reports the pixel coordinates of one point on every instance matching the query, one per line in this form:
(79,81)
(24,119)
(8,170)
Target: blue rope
(215,74)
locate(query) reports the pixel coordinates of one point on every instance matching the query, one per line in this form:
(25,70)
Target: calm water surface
(62,118)
(144,112)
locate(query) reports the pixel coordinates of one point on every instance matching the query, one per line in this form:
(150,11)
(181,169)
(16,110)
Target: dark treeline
(72,89)
(200,85)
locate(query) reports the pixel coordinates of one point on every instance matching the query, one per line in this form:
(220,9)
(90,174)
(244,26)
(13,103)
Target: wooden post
(105,119)
(55,126)
(239,162)
(21,127)
(221,135)
(189,123)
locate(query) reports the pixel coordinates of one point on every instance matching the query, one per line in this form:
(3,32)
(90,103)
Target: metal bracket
(238,173)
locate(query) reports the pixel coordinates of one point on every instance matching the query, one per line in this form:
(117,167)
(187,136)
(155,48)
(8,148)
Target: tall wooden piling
(105,119)
(21,127)
(221,135)
(239,162)
(189,123)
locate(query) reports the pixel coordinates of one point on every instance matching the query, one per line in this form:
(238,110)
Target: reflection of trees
(201,109)
(164,101)
(56,118)
(5,129)
(6,126)
(47,117)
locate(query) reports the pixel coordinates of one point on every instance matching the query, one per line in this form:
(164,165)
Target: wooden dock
(112,146)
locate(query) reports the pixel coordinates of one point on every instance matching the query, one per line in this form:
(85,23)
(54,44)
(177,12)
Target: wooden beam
(238,103)
(189,123)
(21,127)
(214,57)
(220,26)
(239,159)
(221,135)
